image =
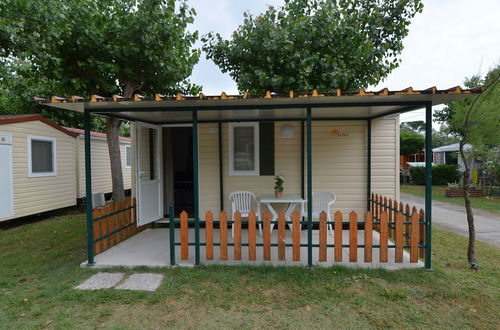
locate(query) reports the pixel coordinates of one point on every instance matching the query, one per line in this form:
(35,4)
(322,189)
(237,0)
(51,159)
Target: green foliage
(83,47)
(278,183)
(441,137)
(417,126)
(322,44)
(441,174)
(410,143)
(476,120)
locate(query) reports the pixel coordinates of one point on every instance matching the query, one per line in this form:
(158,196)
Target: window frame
(129,147)
(32,174)
(256,170)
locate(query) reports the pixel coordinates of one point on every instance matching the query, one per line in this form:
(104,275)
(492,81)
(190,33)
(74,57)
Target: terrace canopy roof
(339,105)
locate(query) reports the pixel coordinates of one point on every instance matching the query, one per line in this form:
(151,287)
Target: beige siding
(339,163)
(101,167)
(385,156)
(34,195)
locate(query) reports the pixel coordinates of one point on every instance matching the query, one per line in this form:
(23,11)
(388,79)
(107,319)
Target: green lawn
(39,266)
(488,203)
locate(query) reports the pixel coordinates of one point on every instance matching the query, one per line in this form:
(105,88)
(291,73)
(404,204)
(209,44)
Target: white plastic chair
(242,201)
(322,202)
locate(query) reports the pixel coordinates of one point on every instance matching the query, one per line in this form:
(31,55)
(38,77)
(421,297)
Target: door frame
(159,164)
(10,167)
(182,125)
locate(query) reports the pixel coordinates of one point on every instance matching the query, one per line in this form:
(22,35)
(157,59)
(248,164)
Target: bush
(410,143)
(441,174)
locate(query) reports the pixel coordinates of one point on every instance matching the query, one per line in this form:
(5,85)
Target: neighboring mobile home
(101,179)
(42,165)
(37,166)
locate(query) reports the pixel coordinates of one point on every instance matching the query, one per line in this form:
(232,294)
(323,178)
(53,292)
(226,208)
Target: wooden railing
(381,204)
(404,231)
(114,223)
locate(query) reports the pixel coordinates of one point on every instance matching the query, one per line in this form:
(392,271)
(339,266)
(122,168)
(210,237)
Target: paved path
(453,218)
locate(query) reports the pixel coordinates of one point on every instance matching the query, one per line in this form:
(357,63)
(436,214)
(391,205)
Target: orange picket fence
(114,223)
(397,230)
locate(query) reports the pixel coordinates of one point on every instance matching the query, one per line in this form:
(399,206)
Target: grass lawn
(39,266)
(488,203)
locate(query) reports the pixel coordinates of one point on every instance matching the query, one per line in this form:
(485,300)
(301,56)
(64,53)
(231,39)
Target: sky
(448,41)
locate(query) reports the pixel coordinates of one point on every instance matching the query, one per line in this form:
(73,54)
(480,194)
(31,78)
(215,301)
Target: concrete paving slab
(101,281)
(141,282)
(453,218)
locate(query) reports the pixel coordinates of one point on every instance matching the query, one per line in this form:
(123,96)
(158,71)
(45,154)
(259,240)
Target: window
(244,149)
(41,156)
(128,157)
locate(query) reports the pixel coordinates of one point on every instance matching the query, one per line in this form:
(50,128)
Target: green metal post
(221,171)
(309,187)
(428,184)
(368,164)
(302,156)
(196,188)
(88,188)
(171,225)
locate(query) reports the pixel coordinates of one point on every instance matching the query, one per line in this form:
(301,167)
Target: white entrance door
(6,183)
(149,161)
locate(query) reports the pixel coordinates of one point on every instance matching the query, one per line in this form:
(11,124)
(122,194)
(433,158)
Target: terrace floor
(151,248)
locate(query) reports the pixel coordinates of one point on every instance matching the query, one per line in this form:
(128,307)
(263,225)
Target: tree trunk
(113,138)
(471,250)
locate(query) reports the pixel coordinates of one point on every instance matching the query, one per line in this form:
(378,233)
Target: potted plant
(278,186)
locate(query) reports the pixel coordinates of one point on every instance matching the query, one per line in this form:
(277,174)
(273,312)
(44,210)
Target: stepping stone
(141,282)
(101,281)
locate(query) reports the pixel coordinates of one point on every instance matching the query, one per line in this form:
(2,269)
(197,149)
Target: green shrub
(441,174)
(417,175)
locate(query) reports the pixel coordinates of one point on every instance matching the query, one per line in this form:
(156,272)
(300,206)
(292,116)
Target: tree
(104,47)
(417,126)
(410,143)
(315,44)
(441,137)
(475,121)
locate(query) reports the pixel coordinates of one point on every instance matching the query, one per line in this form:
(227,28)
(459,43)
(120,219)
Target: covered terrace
(385,226)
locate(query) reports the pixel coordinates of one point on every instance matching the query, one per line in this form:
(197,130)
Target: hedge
(441,174)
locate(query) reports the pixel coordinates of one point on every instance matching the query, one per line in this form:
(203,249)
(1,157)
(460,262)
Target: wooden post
(252,249)
(390,213)
(338,236)
(281,236)
(353,237)
(414,238)
(422,233)
(237,235)
(407,226)
(368,237)
(399,238)
(322,236)
(296,235)
(266,235)
(184,236)
(104,227)
(383,237)
(97,230)
(223,235)
(209,235)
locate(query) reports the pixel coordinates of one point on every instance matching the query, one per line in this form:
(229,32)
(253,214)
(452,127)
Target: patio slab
(101,281)
(141,282)
(150,248)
